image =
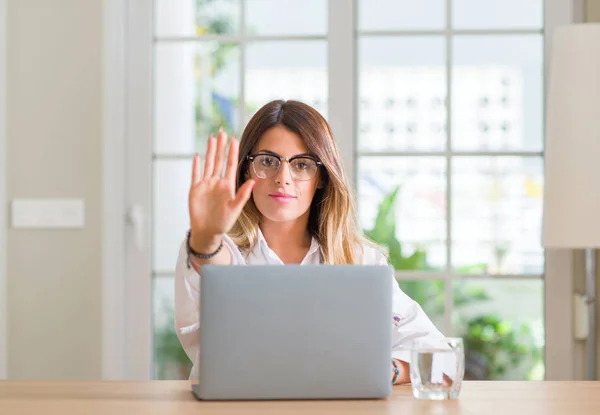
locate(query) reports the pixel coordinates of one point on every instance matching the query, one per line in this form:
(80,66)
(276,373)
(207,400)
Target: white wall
(54,150)
(3,306)
(592,14)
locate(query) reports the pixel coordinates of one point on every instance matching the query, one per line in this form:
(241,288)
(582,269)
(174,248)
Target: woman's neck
(289,240)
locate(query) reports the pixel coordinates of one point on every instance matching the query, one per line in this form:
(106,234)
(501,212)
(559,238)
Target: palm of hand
(214,205)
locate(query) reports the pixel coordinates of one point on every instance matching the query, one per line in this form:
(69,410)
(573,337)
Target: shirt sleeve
(409,322)
(187,300)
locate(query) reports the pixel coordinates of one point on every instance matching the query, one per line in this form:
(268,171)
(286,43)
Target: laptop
(270,332)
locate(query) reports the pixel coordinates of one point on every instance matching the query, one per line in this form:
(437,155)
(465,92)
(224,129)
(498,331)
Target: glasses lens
(265,166)
(303,168)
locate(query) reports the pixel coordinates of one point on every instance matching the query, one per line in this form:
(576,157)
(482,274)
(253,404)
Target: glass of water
(437,371)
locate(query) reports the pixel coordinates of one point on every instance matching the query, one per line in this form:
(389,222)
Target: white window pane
(420,210)
(170,211)
(496,214)
(288,17)
(402,93)
(497,14)
(497,93)
(286,70)
(502,325)
(196,17)
(197,88)
(402,14)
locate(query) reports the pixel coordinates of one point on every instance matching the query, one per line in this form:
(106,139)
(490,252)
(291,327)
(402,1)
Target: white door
(441,100)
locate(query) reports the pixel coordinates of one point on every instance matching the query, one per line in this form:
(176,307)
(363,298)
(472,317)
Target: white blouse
(408,322)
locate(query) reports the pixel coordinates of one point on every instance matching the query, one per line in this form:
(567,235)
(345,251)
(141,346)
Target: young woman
(283,199)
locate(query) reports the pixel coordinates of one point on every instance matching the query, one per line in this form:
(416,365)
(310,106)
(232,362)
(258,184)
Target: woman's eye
(303,164)
(268,162)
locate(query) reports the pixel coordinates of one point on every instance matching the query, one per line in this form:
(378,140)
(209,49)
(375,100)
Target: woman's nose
(284,175)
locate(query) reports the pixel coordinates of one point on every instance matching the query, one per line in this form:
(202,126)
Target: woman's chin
(280,212)
(281,215)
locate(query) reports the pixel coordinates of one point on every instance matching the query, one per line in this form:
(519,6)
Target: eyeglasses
(266,166)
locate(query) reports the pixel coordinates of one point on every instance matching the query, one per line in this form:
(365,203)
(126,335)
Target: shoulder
(372,254)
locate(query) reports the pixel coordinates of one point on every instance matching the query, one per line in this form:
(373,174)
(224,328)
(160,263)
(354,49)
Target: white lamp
(572,154)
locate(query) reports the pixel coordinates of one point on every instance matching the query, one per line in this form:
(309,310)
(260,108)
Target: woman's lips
(281,197)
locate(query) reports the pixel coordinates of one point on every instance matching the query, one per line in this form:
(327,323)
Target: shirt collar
(262,242)
(264,248)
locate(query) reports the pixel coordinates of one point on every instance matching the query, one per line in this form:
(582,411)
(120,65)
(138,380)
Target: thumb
(242,196)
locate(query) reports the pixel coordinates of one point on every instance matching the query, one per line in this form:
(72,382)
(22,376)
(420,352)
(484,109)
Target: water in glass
(436,373)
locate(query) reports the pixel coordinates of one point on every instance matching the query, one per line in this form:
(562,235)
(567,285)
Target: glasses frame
(251,158)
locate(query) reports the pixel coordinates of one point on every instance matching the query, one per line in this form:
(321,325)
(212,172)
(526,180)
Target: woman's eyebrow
(268,152)
(264,151)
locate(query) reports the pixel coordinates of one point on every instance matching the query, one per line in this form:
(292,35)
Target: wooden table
(174,397)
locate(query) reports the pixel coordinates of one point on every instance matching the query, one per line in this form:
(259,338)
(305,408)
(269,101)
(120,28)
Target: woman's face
(283,193)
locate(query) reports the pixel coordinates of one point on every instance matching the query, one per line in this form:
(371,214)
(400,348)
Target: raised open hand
(214,205)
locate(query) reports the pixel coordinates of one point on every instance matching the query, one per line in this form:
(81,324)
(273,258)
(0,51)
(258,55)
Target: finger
(196,177)
(242,196)
(232,161)
(209,160)
(220,158)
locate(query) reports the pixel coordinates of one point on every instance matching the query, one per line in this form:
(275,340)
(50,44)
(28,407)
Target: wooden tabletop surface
(175,397)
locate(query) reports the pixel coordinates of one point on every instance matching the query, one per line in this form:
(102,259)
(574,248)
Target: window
(450,141)
(445,148)
(215,63)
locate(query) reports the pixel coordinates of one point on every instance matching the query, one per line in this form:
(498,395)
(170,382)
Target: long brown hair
(332,219)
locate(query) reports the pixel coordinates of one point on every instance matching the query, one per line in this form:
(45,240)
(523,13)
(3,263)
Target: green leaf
(504,327)
(464,295)
(416,260)
(384,229)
